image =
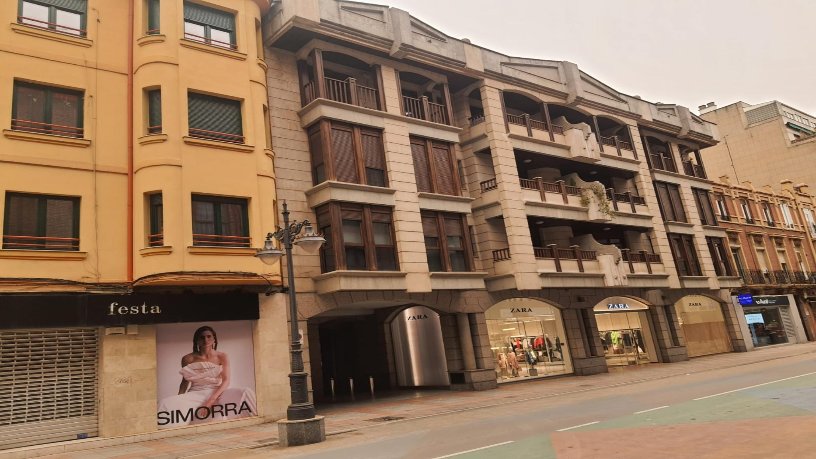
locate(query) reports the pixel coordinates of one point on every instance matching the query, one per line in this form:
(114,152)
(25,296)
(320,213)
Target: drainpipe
(129,244)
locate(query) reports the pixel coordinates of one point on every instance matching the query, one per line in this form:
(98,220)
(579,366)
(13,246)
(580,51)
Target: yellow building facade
(136,175)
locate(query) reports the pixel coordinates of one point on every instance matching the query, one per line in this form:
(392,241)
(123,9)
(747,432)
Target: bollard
(351,384)
(371,385)
(331,382)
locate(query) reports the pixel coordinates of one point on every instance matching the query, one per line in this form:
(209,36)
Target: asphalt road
(763,410)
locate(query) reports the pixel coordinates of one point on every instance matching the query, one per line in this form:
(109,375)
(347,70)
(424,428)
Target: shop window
(214,118)
(152,11)
(154,111)
(220,221)
(208,25)
(40,222)
(670,202)
(63,16)
(446,242)
(685,254)
(156,220)
(703,202)
(365,241)
(434,167)
(47,110)
(719,256)
(355,154)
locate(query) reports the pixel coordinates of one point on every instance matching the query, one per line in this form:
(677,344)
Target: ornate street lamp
(301,409)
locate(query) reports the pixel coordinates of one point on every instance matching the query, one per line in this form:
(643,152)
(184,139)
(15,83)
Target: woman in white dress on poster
(204,394)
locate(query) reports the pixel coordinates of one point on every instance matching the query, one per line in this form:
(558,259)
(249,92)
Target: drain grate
(386,419)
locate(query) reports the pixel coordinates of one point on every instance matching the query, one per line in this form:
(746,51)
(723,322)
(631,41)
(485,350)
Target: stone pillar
(466,341)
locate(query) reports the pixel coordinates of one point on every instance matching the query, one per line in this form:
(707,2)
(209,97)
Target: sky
(686,52)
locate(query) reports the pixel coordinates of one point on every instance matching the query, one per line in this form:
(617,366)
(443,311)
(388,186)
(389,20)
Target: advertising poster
(206,373)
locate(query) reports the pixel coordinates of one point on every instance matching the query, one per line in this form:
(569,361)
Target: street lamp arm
(294,229)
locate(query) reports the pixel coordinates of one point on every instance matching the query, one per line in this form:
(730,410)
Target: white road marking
(575,427)
(475,449)
(651,409)
(756,385)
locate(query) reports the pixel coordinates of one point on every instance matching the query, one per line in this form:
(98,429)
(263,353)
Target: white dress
(204,378)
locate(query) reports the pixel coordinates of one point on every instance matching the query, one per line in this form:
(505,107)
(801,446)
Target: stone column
(466,341)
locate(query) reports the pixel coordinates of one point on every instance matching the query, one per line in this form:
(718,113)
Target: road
(763,410)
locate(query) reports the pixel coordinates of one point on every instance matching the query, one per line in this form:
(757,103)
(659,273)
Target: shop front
(703,324)
(82,366)
(771,319)
(625,331)
(528,340)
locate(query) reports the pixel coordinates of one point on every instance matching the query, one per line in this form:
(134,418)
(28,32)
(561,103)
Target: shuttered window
(40,222)
(154,111)
(214,118)
(703,202)
(152,8)
(46,110)
(63,16)
(208,25)
(446,242)
(434,167)
(685,254)
(220,222)
(355,154)
(670,202)
(48,386)
(719,256)
(365,241)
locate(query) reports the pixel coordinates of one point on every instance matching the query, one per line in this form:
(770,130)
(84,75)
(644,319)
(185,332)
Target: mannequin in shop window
(512,363)
(616,337)
(558,353)
(502,362)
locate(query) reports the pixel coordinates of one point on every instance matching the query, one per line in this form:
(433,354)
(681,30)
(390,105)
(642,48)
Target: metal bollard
(331,382)
(351,384)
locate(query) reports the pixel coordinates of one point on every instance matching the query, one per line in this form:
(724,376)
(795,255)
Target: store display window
(765,325)
(527,339)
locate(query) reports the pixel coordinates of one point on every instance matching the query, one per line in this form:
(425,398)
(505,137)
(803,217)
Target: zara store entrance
(625,331)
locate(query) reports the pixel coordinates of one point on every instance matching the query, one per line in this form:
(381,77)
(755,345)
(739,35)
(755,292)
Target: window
(703,202)
(365,241)
(220,221)
(40,222)
(787,217)
(155,215)
(434,167)
(446,242)
(353,154)
(746,211)
(670,202)
(63,16)
(719,256)
(768,214)
(154,111)
(152,10)
(811,224)
(46,110)
(722,207)
(685,255)
(208,25)
(214,118)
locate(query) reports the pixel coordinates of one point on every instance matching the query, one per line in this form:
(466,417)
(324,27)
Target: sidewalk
(412,405)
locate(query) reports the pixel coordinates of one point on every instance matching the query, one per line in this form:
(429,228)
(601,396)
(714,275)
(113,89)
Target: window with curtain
(434,167)
(670,202)
(355,154)
(63,16)
(209,25)
(703,202)
(47,110)
(214,118)
(220,221)
(40,222)
(446,242)
(365,241)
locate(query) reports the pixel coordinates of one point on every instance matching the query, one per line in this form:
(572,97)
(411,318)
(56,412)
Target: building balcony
(764,277)
(423,109)
(694,170)
(346,91)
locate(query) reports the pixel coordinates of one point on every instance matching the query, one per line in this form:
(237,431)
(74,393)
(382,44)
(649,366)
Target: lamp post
(301,409)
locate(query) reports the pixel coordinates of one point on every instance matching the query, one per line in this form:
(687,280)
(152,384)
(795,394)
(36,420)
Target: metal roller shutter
(48,385)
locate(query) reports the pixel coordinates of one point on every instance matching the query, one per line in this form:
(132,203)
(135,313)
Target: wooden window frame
(220,239)
(442,236)
(703,201)
(155,216)
(433,174)
(330,157)
(42,221)
(154,123)
(673,210)
(369,214)
(46,126)
(691,266)
(719,256)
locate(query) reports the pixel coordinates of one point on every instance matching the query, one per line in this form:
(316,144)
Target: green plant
(598,192)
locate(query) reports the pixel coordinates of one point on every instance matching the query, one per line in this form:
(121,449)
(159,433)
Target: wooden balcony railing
(215,135)
(46,128)
(662,163)
(625,197)
(559,187)
(218,240)
(619,145)
(530,123)
(22,242)
(694,170)
(488,185)
(52,26)
(344,91)
(556,253)
(501,254)
(640,257)
(424,109)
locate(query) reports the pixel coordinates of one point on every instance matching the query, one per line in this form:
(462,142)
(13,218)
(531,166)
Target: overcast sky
(687,52)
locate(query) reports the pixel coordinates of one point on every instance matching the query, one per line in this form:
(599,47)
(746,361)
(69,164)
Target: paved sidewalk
(412,405)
